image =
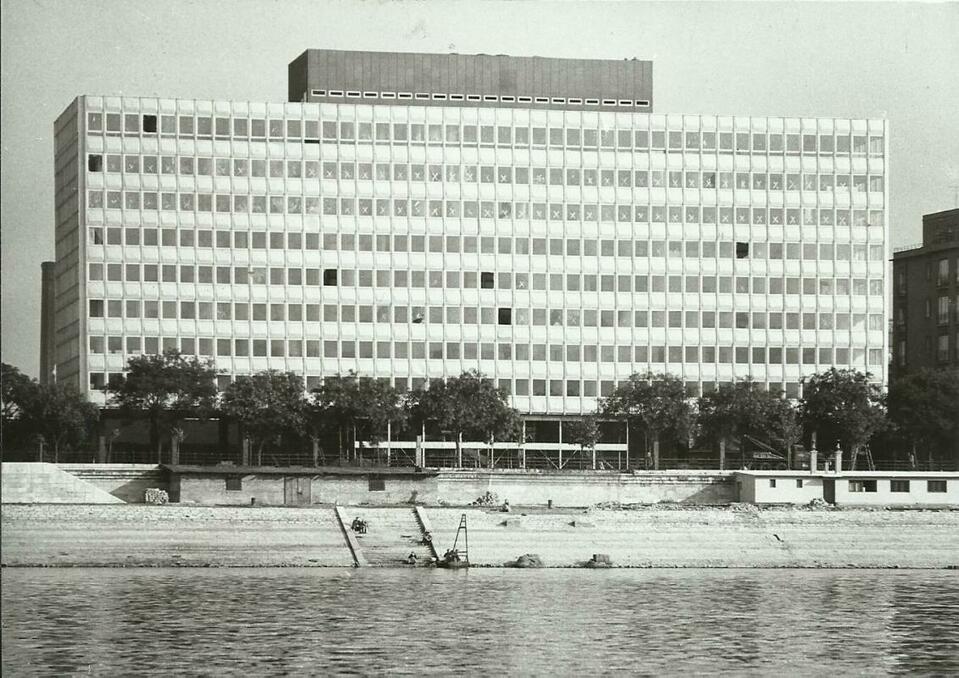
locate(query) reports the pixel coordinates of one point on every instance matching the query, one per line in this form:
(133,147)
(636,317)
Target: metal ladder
(865,451)
(465,553)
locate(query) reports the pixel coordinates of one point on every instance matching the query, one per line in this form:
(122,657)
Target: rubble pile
(487,499)
(155,495)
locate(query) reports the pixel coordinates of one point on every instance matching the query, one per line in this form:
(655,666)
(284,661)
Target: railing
(541,457)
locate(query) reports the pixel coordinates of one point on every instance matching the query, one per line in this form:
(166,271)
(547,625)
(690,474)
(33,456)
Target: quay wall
(587,488)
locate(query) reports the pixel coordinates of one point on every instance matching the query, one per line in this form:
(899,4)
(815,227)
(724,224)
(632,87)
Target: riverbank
(654,536)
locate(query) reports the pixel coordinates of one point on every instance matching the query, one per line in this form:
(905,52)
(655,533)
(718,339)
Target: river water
(482,622)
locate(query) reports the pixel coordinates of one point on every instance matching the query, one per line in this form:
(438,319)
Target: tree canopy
(842,406)
(342,402)
(56,413)
(267,405)
(924,406)
(746,408)
(469,405)
(164,386)
(654,402)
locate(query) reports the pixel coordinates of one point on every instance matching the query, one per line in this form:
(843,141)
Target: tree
(842,406)
(57,414)
(583,432)
(60,415)
(342,402)
(924,406)
(15,388)
(267,405)
(469,405)
(657,403)
(165,386)
(744,408)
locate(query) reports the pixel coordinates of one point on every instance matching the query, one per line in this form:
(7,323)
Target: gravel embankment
(154,536)
(149,536)
(710,537)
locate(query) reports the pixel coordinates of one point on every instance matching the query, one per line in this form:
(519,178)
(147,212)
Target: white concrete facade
(556,251)
(849,488)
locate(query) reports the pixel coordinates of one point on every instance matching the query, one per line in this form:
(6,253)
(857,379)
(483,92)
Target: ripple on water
(363,622)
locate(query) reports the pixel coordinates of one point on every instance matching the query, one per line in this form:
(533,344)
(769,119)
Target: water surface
(481,622)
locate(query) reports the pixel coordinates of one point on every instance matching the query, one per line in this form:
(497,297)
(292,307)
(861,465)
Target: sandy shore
(193,536)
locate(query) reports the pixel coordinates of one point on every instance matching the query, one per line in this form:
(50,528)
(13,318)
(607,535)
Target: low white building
(850,488)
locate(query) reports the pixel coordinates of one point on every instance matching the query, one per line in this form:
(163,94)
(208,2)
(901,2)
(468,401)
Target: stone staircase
(392,534)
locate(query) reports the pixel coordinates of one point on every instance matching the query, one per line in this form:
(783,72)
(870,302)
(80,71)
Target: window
(862,485)
(936,486)
(95,162)
(898,485)
(505,316)
(799,483)
(234,483)
(150,125)
(377,484)
(742,250)
(772,482)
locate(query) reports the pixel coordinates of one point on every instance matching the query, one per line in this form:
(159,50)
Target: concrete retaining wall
(268,490)
(574,489)
(127,482)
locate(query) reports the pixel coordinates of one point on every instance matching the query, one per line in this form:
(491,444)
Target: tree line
(920,412)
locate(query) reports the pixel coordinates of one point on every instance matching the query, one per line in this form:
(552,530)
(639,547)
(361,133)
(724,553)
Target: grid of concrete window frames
(556,251)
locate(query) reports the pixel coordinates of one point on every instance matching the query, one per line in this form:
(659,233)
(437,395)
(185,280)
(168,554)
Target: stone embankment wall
(581,489)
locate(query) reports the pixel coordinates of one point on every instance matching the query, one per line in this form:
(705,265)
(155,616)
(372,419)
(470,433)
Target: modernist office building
(413,216)
(925,299)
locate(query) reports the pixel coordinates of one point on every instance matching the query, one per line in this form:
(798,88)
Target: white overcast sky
(839,59)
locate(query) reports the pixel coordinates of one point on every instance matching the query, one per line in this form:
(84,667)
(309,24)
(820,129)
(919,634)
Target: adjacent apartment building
(409,217)
(926,297)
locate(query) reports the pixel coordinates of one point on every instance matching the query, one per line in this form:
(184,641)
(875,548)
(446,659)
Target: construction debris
(154,495)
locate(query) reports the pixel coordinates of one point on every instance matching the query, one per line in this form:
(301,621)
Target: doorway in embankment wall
(296,490)
(829,490)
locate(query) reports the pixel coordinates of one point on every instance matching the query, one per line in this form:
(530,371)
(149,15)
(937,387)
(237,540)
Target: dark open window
(377,484)
(742,250)
(95,162)
(329,277)
(935,485)
(505,316)
(487,280)
(150,124)
(234,483)
(862,485)
(899,485)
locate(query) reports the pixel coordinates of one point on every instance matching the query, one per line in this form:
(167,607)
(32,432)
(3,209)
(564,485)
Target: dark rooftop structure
(475,80)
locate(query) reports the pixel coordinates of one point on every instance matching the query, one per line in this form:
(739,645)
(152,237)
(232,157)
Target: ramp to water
(43,483)
(391,535)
